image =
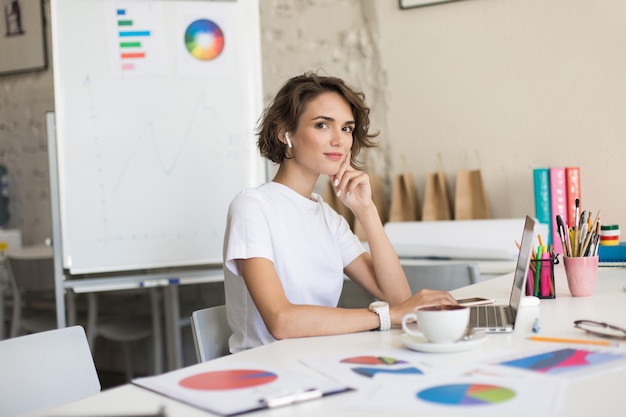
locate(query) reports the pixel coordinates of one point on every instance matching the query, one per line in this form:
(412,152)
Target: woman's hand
(352,187)
(421,298)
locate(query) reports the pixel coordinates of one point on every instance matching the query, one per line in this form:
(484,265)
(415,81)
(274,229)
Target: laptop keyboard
(486,316)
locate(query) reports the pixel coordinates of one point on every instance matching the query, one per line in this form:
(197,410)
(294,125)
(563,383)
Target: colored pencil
(574,341)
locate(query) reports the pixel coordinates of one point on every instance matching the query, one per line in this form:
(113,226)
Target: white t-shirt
(308,242)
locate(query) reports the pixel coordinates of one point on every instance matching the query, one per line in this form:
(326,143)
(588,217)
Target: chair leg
(157,336)
(128,363)
(16,321)
(92,317)
(70,311)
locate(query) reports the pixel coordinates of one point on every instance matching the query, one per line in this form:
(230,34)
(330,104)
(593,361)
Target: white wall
(501,85)
(507,86)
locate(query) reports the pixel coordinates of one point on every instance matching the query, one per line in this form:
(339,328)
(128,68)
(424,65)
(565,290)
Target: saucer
(420,343)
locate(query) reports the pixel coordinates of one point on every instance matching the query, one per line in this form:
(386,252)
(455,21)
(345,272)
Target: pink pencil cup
(581,272)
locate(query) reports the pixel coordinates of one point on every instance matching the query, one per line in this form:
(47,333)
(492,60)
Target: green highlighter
(538,270)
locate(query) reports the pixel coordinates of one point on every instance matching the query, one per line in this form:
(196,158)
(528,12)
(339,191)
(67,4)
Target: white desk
(597,395)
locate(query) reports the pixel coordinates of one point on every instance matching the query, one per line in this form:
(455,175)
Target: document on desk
(569,363)
(467,395)
(229,389)
(364,368)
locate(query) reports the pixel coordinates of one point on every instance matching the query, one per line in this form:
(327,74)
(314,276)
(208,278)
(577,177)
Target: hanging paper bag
(404,199)
(470,200)
(436,201)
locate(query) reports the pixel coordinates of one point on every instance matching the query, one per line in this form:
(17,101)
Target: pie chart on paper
(466,394)
(228,380)
(373,360)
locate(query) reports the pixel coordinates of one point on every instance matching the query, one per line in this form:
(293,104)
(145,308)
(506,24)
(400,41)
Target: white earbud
(287,139)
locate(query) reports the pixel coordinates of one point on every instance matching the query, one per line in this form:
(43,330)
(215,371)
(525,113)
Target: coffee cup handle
(406,327)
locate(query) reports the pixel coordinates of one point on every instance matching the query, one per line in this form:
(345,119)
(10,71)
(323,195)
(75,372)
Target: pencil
(575,341)
(591,232)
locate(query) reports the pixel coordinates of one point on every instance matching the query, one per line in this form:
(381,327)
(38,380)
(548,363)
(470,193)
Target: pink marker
(546,269)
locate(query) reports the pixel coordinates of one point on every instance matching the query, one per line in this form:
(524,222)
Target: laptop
(500,318)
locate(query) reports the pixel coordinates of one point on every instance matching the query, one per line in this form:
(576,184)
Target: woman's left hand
(352,186)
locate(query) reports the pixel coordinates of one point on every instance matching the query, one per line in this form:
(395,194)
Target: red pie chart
(227,380)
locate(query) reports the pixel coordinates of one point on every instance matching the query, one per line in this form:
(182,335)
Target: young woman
(286,251)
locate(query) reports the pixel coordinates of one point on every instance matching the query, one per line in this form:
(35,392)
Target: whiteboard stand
(169,280)
(59,277)
(145,156)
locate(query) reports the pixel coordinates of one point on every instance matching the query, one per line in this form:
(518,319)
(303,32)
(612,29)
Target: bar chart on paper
(135,38)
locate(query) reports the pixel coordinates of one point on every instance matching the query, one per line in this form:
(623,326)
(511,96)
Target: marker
(575,246)
(536,326)
(574,341)
(291,397)
(159,282)
(538,270)
(545,274)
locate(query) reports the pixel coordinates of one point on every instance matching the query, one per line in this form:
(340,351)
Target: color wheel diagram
(562,361)
(466,394)
(204,39)
(228,380)
(379,365)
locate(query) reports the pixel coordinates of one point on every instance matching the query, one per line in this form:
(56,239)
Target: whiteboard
(156,104)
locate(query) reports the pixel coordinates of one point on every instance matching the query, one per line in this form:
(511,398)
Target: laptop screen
(523,263)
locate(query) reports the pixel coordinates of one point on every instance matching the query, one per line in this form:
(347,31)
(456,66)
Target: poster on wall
(22,42)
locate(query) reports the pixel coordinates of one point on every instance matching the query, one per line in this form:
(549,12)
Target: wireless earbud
(287,139)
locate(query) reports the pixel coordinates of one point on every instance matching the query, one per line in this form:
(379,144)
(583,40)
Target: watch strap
(382,309)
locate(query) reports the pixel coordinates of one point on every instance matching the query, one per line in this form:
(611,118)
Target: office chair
(31,273)
(441,275)
(45,369)
(6,300)
(125,326)
(31,276)
(210,332)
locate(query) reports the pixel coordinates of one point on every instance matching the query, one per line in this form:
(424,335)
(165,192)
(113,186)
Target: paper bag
(378,196)
(436,201)
(404,200)
(470,199)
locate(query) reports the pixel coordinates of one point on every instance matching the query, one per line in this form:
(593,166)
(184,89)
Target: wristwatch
(382,309)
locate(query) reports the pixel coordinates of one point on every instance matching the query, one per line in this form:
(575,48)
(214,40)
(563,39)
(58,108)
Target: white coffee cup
(439,324)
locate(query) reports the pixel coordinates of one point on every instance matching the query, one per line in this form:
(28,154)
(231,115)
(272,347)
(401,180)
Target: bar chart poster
(156,104)
(136,38)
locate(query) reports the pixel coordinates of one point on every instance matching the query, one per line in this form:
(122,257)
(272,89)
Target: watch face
(379,304)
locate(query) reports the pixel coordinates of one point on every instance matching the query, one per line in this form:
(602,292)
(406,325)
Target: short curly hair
(283,114)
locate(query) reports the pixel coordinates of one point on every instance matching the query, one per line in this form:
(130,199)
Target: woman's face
(324,136)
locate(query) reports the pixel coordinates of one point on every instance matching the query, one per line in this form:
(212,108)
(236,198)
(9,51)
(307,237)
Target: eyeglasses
(597,328)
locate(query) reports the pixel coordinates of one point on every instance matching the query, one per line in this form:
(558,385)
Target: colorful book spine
(558,203)
(572,182)
(541,181)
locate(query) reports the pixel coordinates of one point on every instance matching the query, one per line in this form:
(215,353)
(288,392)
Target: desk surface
(594,395)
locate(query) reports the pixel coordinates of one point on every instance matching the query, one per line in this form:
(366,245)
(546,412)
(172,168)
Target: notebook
(497,318)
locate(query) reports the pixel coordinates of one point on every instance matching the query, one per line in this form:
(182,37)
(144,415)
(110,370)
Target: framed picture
(408,4)
(22,36)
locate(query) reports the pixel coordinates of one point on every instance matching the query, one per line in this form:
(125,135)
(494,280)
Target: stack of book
(612,252)
(556,190)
